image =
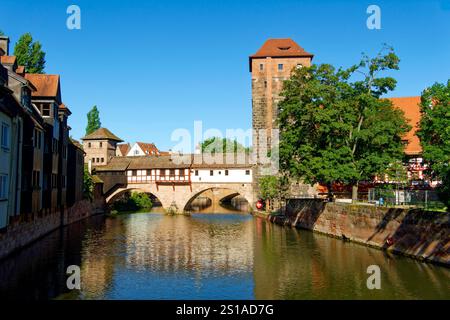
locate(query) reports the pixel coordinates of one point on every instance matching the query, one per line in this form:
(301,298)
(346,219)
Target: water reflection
(209,256)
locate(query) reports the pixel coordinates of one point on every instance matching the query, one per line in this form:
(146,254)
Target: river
(209,256)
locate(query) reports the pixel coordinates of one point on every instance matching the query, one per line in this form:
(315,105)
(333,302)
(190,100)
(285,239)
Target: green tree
(223,145)
(93,120)
(88,185)
(30,54)
(333,129)
(2,33)
(273,189)
(434,133)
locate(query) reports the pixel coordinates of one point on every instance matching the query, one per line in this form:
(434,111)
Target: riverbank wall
(25,229)
(416,233)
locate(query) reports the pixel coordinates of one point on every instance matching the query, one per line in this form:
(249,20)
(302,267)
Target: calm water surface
(209,256)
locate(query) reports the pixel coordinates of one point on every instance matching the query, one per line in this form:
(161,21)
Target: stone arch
(232,192)
(119,192)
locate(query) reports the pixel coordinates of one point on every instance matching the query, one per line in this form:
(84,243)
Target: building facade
(35,141)
(100,146)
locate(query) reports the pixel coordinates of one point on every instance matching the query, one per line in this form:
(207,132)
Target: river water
(209,256)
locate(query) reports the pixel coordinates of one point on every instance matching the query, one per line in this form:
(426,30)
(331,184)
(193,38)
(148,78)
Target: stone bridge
(177,198)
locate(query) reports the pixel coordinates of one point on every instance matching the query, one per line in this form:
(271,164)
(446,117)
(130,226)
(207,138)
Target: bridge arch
(176,197)
(220,193)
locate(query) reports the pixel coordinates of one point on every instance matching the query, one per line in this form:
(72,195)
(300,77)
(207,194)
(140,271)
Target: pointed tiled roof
(124,148)
(410,106)
(148,148)
(101,134)
(281,48)
(47,85)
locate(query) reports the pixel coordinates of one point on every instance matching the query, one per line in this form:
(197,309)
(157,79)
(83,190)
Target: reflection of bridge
(175,184)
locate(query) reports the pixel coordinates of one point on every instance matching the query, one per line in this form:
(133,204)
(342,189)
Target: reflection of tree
(292,264)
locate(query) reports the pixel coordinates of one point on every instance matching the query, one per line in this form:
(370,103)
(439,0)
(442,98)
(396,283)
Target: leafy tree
(30,54)
(93,117)
(434,127)
(133,201)
(223,145)
(88,185)
(333,129)
(434,133)
(2,33)
(273,188)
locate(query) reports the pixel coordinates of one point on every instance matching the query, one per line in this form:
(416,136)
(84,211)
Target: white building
(143,149)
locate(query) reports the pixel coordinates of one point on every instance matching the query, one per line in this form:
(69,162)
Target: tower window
(247,172)
(226,172)
(280,67)
(211,172)
(101,144)
(261,67)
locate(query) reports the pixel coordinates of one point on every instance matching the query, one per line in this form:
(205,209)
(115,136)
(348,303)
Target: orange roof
(124,148)
(148,148)
(64,108)
(20,70)
(7,59)
(410,106)
(47,85)
(281,48)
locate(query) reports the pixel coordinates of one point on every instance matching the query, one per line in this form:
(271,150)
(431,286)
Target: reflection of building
(169,244)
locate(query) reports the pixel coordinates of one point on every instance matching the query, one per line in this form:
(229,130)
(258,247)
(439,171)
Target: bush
(133,202)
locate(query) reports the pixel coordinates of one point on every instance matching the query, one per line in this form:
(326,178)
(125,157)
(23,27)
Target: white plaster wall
(234,175)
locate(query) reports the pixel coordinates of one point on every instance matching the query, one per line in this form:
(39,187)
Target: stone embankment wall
(413,232)
(29,228)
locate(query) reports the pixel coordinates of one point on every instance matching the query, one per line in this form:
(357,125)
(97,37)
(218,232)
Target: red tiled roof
(281,48)
(148,148)
(63,107)
(124,148)
(20,70)
(7,59)
(410,106)
(47,85)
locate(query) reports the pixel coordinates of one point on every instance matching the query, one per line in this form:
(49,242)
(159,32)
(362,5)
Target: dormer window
(284,48)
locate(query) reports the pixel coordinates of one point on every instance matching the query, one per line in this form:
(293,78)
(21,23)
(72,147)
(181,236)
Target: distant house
(413,150)
(122,149)
(143,149)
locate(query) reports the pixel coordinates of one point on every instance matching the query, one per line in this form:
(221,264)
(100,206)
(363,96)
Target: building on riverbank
(35,143)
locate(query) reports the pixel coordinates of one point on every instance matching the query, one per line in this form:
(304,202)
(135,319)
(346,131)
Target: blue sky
(154,66)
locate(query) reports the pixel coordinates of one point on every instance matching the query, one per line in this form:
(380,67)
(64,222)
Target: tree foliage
(30,54)
(434,127)
(336,129)
(273,188)
(133,201)
(434,134)
(223,145)
(93,120)
(88,185)
(2,33)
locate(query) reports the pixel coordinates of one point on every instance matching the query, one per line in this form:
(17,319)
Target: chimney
(4,45)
